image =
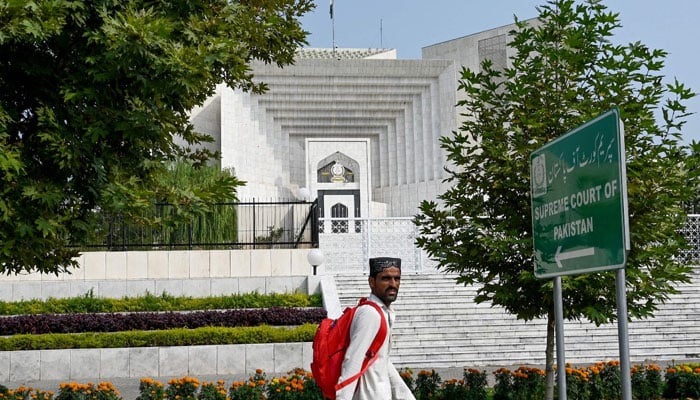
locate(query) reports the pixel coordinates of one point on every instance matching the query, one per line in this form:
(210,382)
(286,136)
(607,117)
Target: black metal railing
(283,224)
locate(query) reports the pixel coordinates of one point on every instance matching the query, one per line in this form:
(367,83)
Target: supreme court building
(358,129)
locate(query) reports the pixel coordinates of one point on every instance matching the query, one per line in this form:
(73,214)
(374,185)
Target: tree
(95,99)
(566,72)
(204,213)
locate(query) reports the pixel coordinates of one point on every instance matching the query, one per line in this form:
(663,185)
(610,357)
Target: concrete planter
(153,362)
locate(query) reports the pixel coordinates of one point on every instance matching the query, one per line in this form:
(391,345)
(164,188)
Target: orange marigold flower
(258,371)
(671,371)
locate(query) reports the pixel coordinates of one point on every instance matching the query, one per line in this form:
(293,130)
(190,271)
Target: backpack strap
(373,352)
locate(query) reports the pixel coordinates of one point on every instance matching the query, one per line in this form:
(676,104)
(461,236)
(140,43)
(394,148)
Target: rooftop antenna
(333,28)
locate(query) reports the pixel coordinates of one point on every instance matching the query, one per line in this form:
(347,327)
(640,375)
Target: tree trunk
(549,355)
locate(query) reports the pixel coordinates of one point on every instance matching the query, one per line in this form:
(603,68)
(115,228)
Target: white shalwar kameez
(381,381)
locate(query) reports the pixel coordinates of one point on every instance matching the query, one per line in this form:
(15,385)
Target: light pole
(304,194)
(315,258)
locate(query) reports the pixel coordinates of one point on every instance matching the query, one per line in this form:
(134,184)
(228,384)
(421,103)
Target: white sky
(409,25)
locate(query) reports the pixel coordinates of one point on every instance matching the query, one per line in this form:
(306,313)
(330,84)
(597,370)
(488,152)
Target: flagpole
(333,27)
(381,34)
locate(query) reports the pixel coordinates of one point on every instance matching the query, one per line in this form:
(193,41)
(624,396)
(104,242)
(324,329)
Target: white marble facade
(398,109)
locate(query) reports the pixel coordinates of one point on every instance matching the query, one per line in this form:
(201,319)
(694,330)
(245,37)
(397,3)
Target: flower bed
(145,321)
(599,381)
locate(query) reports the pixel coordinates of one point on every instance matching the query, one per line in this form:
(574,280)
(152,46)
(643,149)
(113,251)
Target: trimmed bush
(165,302)
(170,337)
(78,323)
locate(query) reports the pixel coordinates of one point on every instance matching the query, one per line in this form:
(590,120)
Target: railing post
(314,224)
(121,218)
(189,234)
(254,230)
(110,232)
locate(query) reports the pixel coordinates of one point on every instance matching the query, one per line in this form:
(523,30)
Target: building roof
(310,53)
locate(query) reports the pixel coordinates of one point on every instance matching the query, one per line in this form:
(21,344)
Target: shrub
(427,385)
(528,383)
(502,389)
(474,383)
(253,389)
(297,385)
(212,391)
(605,379)
(24,393)
(150,390)
(184,388)
(406,375)
(647,383)
(682,381)
(165,302)
(452,389)
(525,383)
(577,383)
(80,391)
(171,337)
(115,322)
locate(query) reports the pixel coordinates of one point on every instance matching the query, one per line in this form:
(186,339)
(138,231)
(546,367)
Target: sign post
(579,200)
(579,216)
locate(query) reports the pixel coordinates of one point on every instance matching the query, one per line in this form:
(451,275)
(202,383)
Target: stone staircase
(439,326)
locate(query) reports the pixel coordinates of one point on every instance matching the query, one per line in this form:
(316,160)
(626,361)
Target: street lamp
(304,194)
(315,258)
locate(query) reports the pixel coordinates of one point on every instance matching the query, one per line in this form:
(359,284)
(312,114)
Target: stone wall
(179,273)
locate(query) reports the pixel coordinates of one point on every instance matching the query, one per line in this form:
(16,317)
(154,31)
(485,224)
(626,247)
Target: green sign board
(579,200)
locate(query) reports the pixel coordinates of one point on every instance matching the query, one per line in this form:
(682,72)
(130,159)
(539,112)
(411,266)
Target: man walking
(381,381)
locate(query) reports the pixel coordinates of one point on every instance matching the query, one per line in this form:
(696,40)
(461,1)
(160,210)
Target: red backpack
(330,344)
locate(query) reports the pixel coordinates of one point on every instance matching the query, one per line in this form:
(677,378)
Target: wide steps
(439,325)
